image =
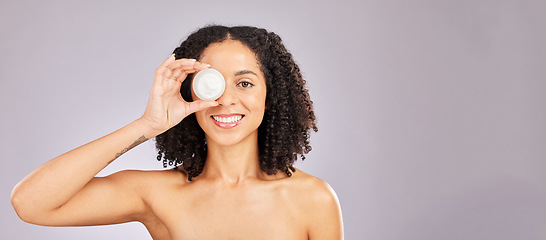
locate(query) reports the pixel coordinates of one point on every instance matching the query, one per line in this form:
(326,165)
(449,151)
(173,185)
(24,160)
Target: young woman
(233,177)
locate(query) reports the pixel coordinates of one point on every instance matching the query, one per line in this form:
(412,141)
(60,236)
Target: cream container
(208,84)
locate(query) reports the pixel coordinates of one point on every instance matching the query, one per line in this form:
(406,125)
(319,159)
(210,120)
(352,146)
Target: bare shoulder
(318,204)
(314,188)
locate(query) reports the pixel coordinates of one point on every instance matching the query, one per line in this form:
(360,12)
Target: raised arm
(65,192)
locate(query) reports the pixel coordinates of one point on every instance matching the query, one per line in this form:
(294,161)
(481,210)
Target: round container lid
(209,84)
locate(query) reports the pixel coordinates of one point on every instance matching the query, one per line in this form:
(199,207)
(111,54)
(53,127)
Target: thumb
(199,105)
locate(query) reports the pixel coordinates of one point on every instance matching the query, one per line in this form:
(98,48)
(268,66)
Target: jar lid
(208,84)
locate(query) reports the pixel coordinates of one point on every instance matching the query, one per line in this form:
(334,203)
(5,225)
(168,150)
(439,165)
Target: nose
(229,97)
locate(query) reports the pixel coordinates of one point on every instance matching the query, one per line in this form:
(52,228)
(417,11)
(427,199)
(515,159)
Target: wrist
(148,128)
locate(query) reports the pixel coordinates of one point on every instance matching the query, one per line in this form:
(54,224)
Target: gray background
(431,113)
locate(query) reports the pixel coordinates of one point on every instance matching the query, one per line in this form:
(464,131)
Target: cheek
(201,117)
(258,102)
(263,98)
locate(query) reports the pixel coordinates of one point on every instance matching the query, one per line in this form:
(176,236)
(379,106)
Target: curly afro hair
(288,118)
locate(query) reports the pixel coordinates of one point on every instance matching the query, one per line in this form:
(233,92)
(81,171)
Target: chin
(232,138)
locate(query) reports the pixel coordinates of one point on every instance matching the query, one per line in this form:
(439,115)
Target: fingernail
(193,60)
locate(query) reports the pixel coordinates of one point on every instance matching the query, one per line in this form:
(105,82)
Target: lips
(227,120)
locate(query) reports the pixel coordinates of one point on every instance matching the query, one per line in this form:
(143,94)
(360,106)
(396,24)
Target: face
(241,107)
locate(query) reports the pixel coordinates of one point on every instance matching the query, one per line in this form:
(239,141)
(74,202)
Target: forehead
(230,55)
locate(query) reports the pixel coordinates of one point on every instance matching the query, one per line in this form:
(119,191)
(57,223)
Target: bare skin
(231,199)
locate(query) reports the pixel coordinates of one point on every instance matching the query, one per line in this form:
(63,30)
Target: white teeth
(228,119)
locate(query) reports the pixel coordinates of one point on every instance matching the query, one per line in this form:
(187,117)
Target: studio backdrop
(431,114)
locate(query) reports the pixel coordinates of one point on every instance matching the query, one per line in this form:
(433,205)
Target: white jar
(208,84)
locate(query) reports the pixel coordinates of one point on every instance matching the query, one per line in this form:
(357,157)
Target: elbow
(19,206)
(23,208)
(26,214)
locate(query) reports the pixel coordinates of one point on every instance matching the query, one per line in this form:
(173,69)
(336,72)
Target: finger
(188,69)
(176,73)
(199,105)
(167,73)
(188,64)
(201,66)
(179,68)
(195,68)
(165,63)
(182,72)
(174,70)
(182,62)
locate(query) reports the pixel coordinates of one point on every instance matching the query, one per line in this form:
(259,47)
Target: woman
(235,179)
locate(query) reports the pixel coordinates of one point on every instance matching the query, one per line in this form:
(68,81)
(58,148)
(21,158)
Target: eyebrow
(243,72)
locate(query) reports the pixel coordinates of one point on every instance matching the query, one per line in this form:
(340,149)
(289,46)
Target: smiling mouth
(227,121)
(231,119)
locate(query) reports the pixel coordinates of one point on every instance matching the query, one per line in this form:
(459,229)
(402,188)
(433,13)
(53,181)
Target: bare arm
(65,191)
(47,190)
(325,218)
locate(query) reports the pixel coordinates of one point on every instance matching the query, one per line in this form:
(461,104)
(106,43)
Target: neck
(232,164)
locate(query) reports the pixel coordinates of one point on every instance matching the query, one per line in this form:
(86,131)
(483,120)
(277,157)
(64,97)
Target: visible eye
(245,84)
